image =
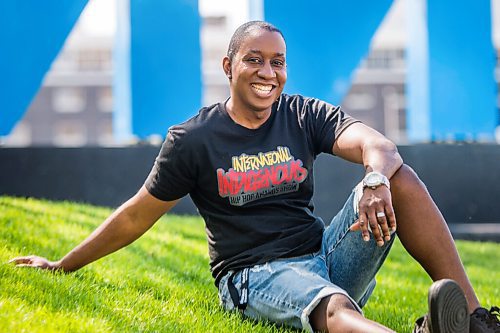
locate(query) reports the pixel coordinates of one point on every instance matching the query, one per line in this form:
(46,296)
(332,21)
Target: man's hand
(376,212)
(122,227)
(35,262)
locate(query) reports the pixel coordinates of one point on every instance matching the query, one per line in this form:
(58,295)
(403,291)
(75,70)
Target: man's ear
(226,66)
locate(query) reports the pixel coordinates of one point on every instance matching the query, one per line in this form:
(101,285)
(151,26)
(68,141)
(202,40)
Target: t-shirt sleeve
(326,122)
(173,173)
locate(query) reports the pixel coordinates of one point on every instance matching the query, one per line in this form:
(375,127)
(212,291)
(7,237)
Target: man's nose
(267,71)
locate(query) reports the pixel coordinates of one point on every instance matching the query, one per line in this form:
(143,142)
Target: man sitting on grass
(247,163)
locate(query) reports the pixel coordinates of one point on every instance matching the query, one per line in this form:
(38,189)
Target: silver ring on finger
(380,214)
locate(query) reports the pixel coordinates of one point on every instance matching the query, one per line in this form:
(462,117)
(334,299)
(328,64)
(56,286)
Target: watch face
(373,179)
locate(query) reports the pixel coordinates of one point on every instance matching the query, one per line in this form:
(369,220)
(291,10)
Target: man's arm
(122,227)
(362,144)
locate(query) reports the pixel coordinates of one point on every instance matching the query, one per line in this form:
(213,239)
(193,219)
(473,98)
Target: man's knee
(405,178)
(330,311)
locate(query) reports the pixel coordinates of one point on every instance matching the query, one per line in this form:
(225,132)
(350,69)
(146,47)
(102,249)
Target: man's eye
(278,63)
(254,60)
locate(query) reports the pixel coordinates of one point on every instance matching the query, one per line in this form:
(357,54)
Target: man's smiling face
(258,70)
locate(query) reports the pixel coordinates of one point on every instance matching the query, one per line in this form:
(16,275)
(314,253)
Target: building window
(92,60)
(385,59)
(359,101)
(69,100)
(68,133)
(105,134)
(105,99)
(215,21)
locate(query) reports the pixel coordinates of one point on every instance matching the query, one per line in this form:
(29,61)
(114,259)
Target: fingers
(36,262)
(383,225)
(363,224)
(376,226)
(376,214)
(21,260)
(391,217)
(355,226)
(24,265)
(30,261)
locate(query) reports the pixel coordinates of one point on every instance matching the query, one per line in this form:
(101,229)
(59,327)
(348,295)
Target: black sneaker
(448,311)
(482,320)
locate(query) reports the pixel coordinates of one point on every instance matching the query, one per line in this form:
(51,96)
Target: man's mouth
(263,89)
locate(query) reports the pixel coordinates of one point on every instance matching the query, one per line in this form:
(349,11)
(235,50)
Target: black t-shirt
(253,187)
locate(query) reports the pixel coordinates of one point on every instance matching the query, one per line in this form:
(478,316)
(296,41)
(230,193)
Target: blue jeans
(286,291)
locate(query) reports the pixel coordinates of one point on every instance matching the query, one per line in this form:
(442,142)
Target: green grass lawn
(162,283)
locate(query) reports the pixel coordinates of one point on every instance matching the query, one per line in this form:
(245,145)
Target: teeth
(261,87)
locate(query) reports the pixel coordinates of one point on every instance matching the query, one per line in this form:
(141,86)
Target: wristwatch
(375,179)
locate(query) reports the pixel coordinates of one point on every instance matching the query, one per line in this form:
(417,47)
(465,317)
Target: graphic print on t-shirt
(259,176)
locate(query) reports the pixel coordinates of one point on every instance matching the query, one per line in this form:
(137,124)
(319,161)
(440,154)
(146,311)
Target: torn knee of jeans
(302,272)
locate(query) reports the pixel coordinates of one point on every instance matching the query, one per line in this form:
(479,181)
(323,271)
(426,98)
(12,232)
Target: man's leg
(424,233)
(337,314)
(286,291)
(352,265)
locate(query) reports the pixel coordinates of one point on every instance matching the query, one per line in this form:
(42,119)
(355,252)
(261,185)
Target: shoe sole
(448,308)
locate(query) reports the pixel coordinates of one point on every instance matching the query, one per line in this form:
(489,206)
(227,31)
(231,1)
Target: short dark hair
(243,30)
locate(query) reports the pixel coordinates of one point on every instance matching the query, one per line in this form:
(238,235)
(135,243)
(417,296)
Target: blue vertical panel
(122,108)
(31,35)
(165,64)
(417,68)
(326,40)
(256,10)
(461,68)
